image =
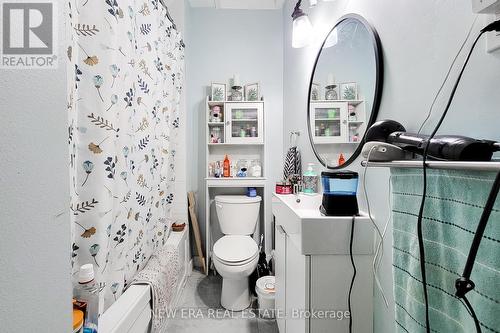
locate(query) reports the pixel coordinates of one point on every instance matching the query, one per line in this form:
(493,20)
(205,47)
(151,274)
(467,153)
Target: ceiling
(238,4)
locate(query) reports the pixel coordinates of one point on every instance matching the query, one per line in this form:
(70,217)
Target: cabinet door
(297,289)
(280,260)
(328,121)
(244,123)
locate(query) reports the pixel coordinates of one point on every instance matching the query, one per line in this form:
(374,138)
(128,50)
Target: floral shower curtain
(126,63)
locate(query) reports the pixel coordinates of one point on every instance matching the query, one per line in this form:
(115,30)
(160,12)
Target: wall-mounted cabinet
(337,121)
(235,122)
(245,123)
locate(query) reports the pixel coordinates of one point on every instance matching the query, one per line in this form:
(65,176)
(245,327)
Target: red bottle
(227,167)
(341,159)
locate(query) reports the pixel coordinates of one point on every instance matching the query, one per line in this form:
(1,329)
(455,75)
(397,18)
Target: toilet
(235,255)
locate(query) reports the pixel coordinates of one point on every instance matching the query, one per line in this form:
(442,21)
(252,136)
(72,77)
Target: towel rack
(445,165)
(294,135)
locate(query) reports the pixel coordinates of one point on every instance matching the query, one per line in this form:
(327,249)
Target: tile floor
(199,311)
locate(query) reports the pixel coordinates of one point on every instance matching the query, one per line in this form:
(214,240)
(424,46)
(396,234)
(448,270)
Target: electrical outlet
(493,38)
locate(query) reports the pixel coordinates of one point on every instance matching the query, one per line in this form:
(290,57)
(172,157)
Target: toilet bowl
(235,267)
(236,254)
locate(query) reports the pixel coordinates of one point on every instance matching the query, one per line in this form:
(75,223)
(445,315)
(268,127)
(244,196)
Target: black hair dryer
(443,147)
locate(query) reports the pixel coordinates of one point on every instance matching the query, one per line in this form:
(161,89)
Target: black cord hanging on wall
(463,284)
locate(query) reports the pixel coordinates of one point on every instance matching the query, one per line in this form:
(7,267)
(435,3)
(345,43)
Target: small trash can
(265,288)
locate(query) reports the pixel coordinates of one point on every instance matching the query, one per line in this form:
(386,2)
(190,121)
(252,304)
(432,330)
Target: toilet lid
(237,199)
(235,248)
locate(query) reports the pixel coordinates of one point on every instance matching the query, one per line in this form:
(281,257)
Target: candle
(236,80)
(331,81)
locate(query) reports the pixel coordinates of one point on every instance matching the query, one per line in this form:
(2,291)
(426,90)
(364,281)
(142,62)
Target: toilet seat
(235,250)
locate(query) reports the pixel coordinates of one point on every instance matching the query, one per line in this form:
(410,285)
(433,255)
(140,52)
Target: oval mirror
(345,90)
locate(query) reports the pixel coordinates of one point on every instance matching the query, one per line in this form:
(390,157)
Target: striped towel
(453,208)
(293,163)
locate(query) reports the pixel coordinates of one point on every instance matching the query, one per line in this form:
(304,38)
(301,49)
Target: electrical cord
(470,309)
(464,284)
(493,26)
(447,75)
(488,208)
(353,275)
(380,245)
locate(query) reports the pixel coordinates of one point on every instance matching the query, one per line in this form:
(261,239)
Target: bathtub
(131,313)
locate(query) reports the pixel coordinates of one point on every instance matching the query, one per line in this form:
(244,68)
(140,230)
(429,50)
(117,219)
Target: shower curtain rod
(445,165)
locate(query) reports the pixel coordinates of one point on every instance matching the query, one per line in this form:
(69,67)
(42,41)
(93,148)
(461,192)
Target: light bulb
(302,31)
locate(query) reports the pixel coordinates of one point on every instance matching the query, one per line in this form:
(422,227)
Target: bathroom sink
(313,233)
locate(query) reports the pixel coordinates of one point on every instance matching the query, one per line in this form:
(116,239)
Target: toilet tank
(238,214)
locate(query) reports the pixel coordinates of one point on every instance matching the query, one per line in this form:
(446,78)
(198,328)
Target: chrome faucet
(297,187)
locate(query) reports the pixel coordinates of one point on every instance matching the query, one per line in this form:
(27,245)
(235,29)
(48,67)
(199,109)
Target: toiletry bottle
(87,290)
(311,180)
(234,169)
(341,159)
(227,167)
(217,170)
(211,172)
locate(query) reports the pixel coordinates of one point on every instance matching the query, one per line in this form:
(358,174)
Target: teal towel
(455,201)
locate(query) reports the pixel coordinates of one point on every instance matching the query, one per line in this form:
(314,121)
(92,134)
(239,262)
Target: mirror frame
(379,83)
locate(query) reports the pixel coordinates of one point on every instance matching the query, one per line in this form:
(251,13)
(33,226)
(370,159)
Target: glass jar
(256,169)
(236,94)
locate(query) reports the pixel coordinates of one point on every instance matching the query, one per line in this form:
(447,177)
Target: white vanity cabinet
(291,293)
(314,272)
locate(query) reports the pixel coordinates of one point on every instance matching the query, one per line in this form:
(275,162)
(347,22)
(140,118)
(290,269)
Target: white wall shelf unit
(331,121)
(236,131)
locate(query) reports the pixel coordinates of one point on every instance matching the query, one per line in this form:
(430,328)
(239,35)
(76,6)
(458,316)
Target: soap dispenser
(311,180)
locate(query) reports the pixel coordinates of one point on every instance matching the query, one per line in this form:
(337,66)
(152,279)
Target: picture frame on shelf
(315,92)
(348,91)
(252,92)
(218,92)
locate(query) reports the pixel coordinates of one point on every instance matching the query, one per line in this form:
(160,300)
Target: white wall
(219,44)
(420,39)
(35,286)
